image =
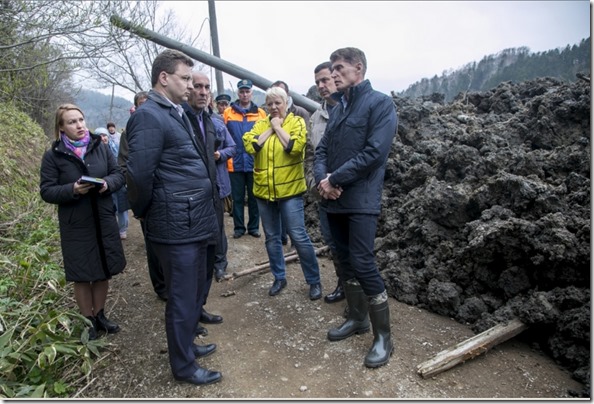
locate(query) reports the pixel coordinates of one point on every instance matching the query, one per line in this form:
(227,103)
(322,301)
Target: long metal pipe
(208,59)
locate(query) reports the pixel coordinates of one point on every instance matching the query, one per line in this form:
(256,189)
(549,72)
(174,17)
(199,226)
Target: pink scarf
(78,147)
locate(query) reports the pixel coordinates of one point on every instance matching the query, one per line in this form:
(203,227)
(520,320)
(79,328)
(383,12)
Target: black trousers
(155,270)
(354,235)
(184,267)
(213,250)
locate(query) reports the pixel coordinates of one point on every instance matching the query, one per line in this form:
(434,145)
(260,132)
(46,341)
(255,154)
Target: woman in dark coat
(90,240)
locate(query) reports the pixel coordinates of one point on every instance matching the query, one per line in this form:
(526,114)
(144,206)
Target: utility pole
(214,37)
(111,102)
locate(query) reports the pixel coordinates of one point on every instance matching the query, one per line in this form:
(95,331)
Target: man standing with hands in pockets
(349,167)
(169,187)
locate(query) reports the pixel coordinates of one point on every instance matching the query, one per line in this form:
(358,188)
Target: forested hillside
(514,64)
(98,109)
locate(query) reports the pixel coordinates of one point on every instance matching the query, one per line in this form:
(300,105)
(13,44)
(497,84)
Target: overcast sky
(404,41)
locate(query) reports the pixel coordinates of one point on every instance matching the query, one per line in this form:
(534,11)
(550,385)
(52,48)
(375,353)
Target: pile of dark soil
(486,212)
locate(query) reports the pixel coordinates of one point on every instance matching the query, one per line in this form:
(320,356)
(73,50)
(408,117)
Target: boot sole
(378,364)
(359,331)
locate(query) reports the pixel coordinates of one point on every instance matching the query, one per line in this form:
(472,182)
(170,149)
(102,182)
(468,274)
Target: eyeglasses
(187,79)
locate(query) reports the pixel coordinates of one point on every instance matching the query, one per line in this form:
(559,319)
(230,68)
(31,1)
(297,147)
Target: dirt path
(276,347)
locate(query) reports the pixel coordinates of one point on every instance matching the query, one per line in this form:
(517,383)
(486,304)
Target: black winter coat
(169,183)
(90,253)
(207,148)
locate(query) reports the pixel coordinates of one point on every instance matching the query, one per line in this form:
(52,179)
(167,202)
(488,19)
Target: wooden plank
(470,348)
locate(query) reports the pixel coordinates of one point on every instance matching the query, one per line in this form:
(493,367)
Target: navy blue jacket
(169,184)
(355,148)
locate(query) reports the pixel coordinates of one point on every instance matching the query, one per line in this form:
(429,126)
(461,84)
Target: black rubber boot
(357,321)
(382,347)
(337,295)
(104,324)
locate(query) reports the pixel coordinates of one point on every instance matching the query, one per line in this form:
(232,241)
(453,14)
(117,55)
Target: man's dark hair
(167,62)
(322,66)
(110,125)
(280,83)
(350,55)
(139,96)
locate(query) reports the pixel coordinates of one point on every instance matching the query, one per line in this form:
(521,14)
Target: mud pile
(486,212)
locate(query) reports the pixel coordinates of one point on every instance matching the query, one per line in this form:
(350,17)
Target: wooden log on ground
(290,257)
(470,348)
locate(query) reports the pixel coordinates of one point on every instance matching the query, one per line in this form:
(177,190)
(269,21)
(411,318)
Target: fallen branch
(290,257)
(470,348)
(289,254)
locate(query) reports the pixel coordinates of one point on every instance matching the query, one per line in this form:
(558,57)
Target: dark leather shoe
(255,234)
(335,296)
(315,291)
(202,376)
(201,351)
(277,286)
(237,235)
(162,296)
(207,318)
(104,324)
(202,331)
(219,274)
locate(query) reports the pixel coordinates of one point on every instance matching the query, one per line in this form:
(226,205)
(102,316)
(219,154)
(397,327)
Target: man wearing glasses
(170,189)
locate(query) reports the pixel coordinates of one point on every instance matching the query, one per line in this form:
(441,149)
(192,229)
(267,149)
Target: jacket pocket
(180,213)
(190,194)
(357,122)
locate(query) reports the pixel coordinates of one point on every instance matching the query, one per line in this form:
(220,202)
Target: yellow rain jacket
(278,171)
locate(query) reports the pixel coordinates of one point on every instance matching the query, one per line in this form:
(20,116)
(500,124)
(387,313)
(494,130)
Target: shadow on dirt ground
(276,347)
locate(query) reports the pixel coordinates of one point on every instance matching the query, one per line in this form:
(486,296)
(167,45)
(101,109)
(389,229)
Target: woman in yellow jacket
(277,143)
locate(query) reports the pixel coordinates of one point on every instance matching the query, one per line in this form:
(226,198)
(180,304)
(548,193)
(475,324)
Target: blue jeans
(290,212)
(354,235)
(122,215)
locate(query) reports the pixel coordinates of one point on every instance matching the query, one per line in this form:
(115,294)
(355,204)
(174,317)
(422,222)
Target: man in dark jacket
(170,187)
(349,167)
(197,110)
(240,117)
